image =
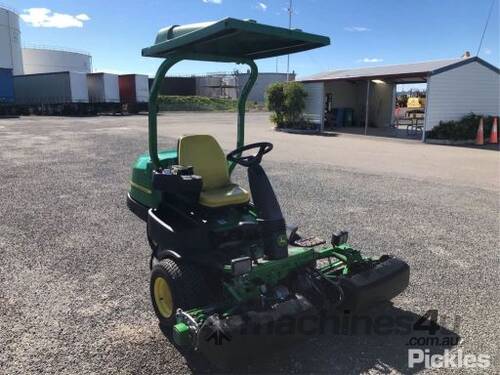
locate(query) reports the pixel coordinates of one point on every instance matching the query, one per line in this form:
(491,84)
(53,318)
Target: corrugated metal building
(258,92)
(182,86)
(455,88)
(220,85)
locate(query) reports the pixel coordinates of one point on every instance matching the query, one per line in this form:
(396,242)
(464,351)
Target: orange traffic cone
(480,133)
(494,132)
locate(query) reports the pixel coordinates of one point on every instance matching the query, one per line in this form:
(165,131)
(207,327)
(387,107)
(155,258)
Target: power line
(485,27)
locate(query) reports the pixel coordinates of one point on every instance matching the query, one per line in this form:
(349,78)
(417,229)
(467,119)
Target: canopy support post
(153,108)
(240,140)
(367,106)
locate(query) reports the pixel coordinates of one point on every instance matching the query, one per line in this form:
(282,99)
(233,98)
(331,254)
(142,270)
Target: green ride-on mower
(223,257)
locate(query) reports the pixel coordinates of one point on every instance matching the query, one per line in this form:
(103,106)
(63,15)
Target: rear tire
(175,284)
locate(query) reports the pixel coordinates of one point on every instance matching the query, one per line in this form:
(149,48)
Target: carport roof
(415,72)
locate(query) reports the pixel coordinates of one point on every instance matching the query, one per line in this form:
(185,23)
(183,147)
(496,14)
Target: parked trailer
(134,92)
(6,86)
(104,92)
(6,92)
(61,93)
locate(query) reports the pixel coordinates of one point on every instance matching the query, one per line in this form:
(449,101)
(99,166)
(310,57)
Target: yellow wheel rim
(163,297)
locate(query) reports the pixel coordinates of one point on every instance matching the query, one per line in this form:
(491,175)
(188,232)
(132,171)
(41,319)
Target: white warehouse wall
(264,80)
(315,100)
(454,93)
(380,104)
(345,94)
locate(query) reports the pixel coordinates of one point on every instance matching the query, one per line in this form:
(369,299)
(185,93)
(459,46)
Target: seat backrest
(207,158)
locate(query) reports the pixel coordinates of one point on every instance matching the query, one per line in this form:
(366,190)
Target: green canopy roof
(231,37)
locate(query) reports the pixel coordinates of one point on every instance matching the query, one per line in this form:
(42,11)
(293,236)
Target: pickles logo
(448,359)
(281,240)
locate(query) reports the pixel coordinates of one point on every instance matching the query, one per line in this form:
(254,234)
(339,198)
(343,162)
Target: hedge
(201,103)
(463,129)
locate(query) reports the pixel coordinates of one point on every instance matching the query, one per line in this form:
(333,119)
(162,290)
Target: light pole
(290,11)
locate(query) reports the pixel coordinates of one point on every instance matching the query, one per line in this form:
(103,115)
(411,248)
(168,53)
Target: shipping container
(6,86)
(51,88)
(134,88)
(103,88)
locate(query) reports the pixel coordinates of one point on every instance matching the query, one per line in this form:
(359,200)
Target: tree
(275,101)
(287,101)
(295,101)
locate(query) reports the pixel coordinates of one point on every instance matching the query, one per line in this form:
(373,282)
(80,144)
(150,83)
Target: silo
(10,41)
(39,59)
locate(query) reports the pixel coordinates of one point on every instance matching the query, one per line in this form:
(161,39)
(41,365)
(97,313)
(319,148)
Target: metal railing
(9,8)
(29,45)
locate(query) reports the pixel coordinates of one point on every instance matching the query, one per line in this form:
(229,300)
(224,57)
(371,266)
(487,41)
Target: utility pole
(290,11)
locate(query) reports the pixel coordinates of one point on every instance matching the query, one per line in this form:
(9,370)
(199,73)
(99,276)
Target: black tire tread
(189,280)
(188,286)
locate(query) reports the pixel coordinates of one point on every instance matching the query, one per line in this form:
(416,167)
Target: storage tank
(38,59)
(10,41)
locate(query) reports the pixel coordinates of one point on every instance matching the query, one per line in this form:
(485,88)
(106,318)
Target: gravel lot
(74,278)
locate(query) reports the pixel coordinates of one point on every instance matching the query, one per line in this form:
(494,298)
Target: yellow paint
(140,187)
(208,161)
(163,297)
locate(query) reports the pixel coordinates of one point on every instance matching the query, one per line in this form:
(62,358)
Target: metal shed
(455,87)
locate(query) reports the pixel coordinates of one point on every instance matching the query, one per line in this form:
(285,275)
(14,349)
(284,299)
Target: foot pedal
(309,242)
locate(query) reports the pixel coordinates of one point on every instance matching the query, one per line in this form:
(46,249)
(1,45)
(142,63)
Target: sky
(363,32)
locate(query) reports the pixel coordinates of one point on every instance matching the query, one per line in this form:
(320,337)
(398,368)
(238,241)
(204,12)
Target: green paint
(273,272)
(233,37)
(240,141)
(227,40)
(181,334)
(142,172)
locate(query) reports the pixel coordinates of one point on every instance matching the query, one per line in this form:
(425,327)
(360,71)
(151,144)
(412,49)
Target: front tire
(175,284)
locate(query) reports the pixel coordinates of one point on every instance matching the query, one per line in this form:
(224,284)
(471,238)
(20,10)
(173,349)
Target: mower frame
(283,284)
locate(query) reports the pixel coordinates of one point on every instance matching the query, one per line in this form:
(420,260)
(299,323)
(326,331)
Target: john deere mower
(222,256)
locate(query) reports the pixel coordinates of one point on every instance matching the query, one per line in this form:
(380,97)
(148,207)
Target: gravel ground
(74,279)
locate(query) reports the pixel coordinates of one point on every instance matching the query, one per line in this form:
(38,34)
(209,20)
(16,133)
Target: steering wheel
(249,160)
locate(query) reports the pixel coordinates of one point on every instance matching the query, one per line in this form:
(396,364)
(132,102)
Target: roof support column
(367,106)
(322,112)
(393,105)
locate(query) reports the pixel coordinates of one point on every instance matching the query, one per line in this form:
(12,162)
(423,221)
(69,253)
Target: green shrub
(201,103)
(287,101)
(275,102)
(295,101)
(463,129)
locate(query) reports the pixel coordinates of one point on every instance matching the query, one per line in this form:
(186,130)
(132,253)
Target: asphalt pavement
(74,277)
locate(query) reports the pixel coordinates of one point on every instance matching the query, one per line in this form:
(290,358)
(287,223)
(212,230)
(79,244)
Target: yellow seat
(208,161)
